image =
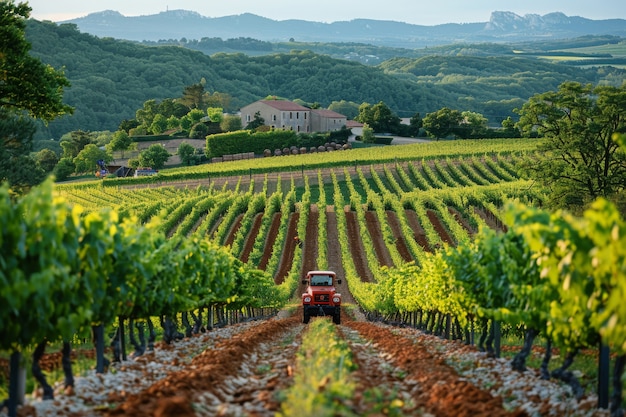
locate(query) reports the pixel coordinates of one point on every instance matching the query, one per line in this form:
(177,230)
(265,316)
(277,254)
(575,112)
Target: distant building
(327,120)
(287,115)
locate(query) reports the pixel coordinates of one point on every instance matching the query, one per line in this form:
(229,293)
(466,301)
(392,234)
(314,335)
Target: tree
(134,163)
(126,125)
(25,82)
(46,160)
(379,117)
(155,157)
(194,96)
(185,122)
(64,169)
(442,123)
(473,125)
(28,89)
(368,134)
(145,115)
(365,113)
(385,120)
(231,123)
(159,124)
(187,153)
(217,100)
(75,142)
(170,107)
(216,114)
(120,142)
(87,159)
(347,108)
(173,122)
(509,129)
(579,160)
(199,131)
(195,115)
(257,122)
(415,124)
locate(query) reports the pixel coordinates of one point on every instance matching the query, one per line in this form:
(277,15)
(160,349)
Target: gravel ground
(249,387)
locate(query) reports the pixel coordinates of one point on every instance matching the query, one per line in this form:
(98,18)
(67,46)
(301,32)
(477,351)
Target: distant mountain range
(501,27)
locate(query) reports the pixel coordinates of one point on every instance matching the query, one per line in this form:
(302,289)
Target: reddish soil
(198,223)
(440,228)
(418,231)
(333,254)
(373,227)
(440,390)
(206,374)
(249,242)
(401,245)
(491,219)
(462,221)
(215,226)
(392,364)
(286,260)
(230,237)
(356,247)
(309,248)
(269,242)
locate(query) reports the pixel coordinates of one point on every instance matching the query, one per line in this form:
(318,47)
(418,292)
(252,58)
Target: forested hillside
(111,79)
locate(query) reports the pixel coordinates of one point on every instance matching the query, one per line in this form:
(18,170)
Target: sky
(409,11)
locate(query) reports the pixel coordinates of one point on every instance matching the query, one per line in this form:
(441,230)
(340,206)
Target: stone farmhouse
(287,115)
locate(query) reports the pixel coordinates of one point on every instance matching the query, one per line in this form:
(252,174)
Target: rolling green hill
(111,79)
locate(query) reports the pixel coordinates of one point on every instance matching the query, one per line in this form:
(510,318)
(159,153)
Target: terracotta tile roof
(329,114)
(353,123)
(284,105)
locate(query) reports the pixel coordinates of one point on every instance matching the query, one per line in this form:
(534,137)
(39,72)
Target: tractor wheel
(306,318)
(337,317)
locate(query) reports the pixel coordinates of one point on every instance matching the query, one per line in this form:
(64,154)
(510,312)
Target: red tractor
(321,298)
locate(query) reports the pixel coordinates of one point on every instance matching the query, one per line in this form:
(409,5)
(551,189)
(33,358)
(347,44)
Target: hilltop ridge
(502,26)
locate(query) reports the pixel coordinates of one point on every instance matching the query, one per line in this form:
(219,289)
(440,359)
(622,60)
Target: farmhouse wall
(287,115)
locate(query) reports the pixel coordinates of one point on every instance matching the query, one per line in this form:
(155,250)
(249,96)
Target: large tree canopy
(443,122)
(579,160)
(379,117)
(25,82)
(27,87)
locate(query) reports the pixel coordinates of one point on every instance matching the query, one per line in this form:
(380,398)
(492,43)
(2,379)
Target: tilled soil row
(433,385)
(209,379)
(240,371)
